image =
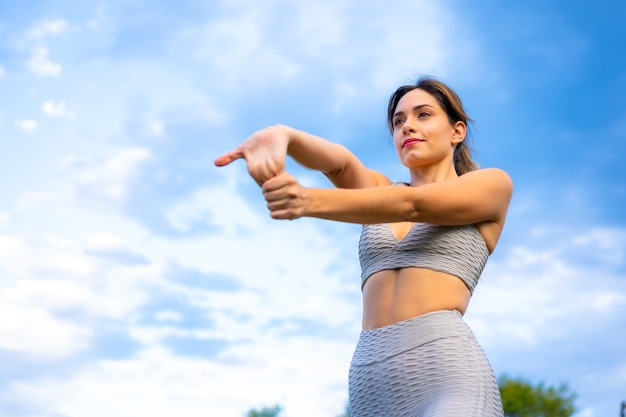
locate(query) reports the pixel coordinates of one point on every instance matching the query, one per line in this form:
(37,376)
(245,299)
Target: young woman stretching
(423,247)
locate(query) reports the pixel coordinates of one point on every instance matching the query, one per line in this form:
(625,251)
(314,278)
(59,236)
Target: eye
(397,122)
(423,114)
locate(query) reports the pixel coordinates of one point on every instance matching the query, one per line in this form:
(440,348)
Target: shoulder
(489,172)
(489,177)
(380,179)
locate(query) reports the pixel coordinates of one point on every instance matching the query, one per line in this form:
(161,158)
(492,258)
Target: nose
(408,127)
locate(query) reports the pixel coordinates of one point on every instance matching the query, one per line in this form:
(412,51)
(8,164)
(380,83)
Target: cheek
(444,135)
(397,145)
(397,140)
(449,131)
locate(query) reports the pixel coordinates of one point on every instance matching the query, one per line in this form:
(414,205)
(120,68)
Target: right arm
(265,152)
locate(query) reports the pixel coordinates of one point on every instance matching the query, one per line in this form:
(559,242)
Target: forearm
(316,153)
(335,161)
(363,206)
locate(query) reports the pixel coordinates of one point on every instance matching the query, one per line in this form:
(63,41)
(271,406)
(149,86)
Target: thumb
(228,157)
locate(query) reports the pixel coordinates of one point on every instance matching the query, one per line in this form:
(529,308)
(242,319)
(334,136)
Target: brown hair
(451,104)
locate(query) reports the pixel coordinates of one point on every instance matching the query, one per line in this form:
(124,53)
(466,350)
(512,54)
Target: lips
(410,142)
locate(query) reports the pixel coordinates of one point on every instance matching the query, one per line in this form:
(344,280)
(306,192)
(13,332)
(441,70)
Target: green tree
(521,399)
(265,412)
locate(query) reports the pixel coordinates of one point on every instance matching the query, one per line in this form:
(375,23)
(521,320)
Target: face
(422,133)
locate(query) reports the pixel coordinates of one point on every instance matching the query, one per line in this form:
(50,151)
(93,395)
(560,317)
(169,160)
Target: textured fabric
(456,250)
(427,366)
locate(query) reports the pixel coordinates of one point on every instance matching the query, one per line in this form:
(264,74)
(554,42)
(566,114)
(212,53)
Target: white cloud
(5,218)
(50,280)
(57,109)
(168,316)
(605,245)
(217,207)
(31,200)
(538,289)
(106,178)
(31,295)
(40,64)
(2,71)
(314,36)
(149,125)
(287,273)
(34,332)
(104,242)
(154,128)
(304,375)
(27,125)
(12,248)
(48,295)
(50,257)
(230,50)
(48,28)
(47,278)
(607,301)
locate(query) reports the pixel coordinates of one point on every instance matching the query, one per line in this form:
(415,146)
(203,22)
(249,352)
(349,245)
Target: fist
(285,197)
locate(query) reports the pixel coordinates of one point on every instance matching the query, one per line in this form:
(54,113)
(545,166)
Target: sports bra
(457,250)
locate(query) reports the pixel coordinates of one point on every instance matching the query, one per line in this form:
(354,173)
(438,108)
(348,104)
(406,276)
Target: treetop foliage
(521,399)
(266,412)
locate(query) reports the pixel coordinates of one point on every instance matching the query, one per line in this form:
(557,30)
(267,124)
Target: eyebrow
(418,107)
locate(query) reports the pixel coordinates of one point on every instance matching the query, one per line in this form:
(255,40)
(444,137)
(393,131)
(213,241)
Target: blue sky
(138,279)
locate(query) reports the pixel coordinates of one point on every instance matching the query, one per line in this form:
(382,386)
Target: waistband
(379,344)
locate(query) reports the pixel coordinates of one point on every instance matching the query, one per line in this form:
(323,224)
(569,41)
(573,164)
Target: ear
(459,132)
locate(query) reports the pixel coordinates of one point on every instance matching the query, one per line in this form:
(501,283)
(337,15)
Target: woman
(423,247)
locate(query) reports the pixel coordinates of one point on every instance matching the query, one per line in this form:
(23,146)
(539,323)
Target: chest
(401,229)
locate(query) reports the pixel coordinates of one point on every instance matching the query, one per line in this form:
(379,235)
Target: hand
(286,198)
(265,152)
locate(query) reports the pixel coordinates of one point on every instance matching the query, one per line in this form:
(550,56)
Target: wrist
(285,133)
(307,197)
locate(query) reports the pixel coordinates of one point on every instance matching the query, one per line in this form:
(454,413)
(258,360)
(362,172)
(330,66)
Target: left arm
(477,196)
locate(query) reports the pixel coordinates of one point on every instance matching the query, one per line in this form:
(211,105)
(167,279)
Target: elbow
(335,173)
(411,213)
(409,205)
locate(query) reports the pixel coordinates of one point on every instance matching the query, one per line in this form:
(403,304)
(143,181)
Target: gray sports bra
(456,250)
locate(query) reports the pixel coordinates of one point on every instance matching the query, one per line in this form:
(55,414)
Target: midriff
(394,295)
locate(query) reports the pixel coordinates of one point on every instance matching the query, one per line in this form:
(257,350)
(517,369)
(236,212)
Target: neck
(430,174)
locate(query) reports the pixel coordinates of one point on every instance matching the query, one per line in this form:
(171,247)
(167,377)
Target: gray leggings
(427,366)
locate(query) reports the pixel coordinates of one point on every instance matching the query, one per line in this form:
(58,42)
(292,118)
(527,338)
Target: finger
(274,168)
(260,172)
(229,157)
(263,171)
(277,182)
(274,185)
(271,184)
(281,215)
(273,206)
(285,214)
